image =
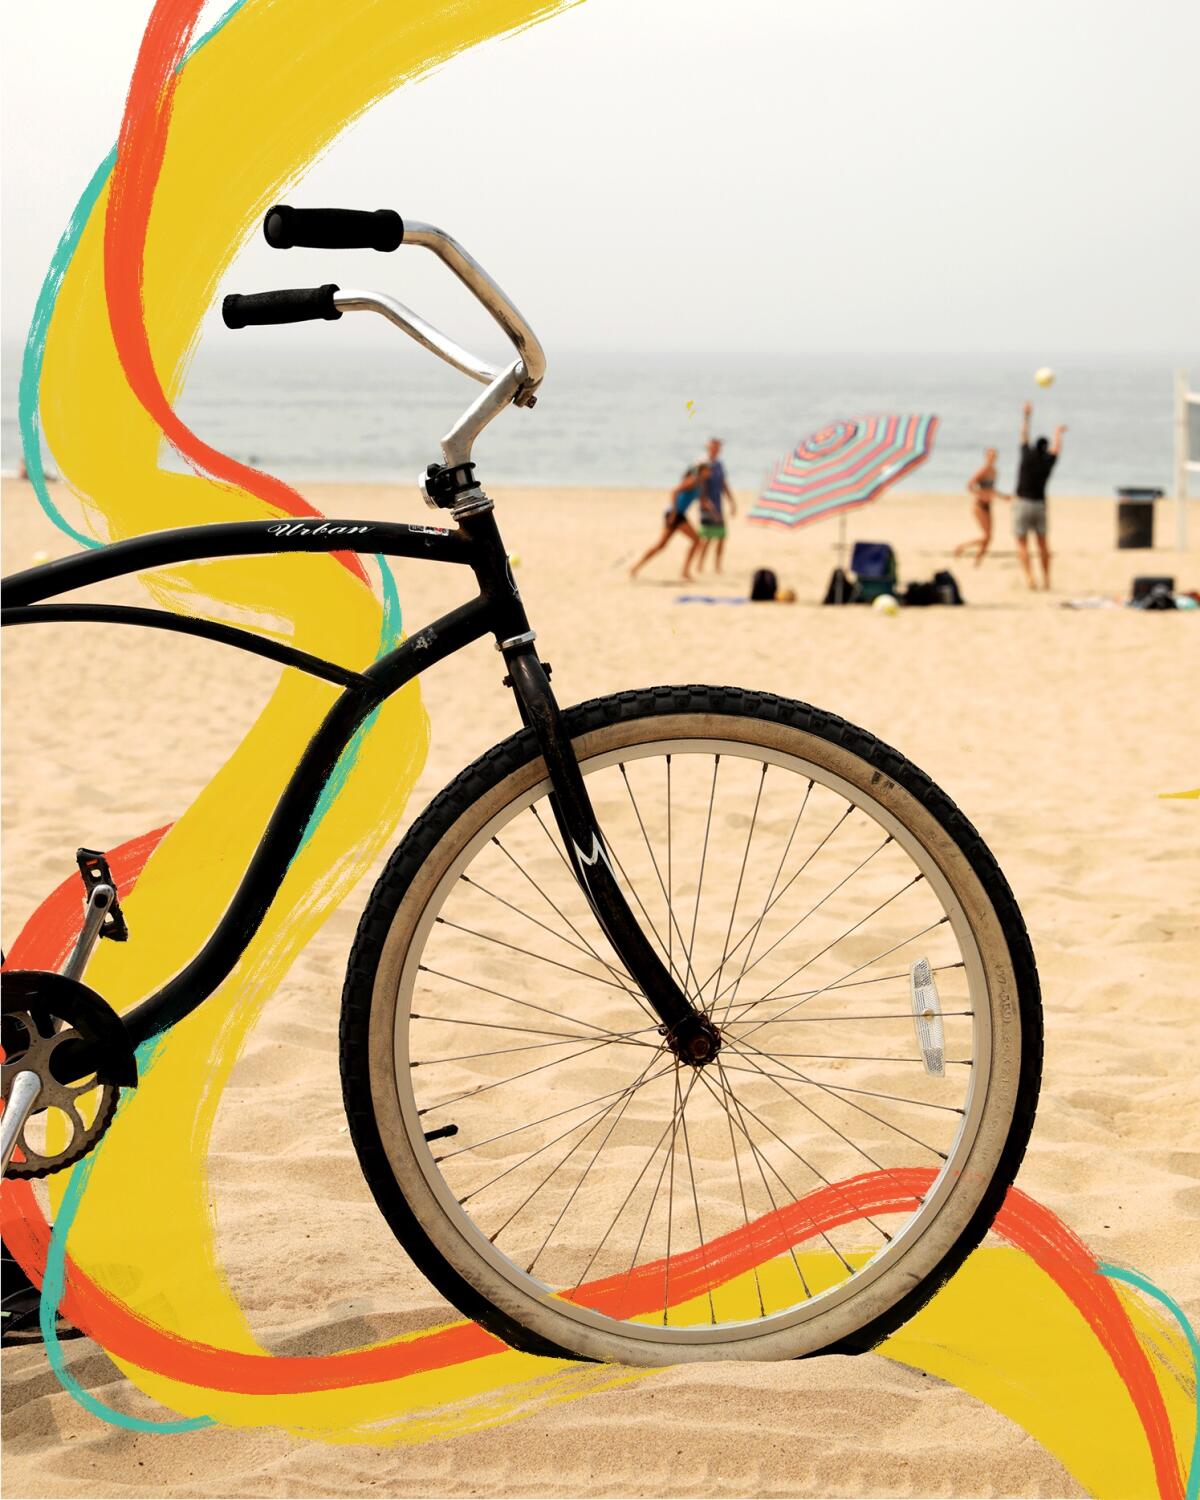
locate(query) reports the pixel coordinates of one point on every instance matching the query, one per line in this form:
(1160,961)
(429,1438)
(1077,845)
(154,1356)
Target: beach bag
(841,590)
(764,586)
(921,593)
(947,586)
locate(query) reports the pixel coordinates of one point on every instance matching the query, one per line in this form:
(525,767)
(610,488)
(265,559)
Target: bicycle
(714,1169)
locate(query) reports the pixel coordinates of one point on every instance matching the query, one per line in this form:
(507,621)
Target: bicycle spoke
(487,937)
(696,1202)
(475,1192)
(762,781)
(434,1062)
(797,925)
(815,1171)
(515,1000)
(649,919)
(574,1036)
(618,974)
(625,1203)
(622,1099)
(671,1199)
(838,1088)
(621,977)
(850,1104)
(672,923)
(786,1020)
(704,853)
(529,917)
(766,906)
(762,1162)
(784,891)
(771,1021)
(499,1083)
(854,984)
(737,1166)
(595,1158)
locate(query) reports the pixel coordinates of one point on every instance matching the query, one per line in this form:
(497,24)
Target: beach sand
(1055,730)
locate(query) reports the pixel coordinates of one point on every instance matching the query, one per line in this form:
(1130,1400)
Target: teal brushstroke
(1135,1278)
(53,1285)
(218,25)
(54,1279)
(34,357)
(391,629)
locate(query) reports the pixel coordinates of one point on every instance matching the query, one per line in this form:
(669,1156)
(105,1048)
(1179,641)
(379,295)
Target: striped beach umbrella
(844,465)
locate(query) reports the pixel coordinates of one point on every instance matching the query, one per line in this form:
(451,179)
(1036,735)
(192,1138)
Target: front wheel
(549,1164)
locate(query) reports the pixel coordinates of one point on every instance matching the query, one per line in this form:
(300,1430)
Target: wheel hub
(695,1041)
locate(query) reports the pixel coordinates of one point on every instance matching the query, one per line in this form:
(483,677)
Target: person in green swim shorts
(713,527)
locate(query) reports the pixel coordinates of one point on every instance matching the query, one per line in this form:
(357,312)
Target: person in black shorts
(1029,505)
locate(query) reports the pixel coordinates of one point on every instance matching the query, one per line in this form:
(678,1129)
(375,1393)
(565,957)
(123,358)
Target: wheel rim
(491,1195)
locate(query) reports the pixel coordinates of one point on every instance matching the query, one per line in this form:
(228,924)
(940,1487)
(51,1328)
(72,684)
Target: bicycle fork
(690,1034)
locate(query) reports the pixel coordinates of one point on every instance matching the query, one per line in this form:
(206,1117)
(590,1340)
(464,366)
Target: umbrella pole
(841,557)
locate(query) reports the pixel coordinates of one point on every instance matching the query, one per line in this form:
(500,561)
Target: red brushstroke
(1023,1222)
(141,146)
(49,935)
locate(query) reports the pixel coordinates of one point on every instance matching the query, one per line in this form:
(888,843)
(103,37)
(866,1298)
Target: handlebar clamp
(443,485)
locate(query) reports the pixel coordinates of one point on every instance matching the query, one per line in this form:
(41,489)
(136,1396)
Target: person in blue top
(712,513)
(675,518)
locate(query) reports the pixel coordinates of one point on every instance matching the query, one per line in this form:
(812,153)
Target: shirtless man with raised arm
(1029,504)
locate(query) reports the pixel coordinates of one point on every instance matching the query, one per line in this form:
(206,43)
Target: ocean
(341,412)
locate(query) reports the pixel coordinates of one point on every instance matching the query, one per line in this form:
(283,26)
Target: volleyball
(886,604)
(1045,376)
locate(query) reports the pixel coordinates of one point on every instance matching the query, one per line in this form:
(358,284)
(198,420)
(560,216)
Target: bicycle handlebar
(333,228)
(297,305)
(383,229)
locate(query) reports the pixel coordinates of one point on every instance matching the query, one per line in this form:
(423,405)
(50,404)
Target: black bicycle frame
(497,610)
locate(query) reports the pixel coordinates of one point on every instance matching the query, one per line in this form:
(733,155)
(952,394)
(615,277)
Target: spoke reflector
(927,1017)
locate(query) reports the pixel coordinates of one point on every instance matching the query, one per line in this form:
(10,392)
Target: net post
(1181,458)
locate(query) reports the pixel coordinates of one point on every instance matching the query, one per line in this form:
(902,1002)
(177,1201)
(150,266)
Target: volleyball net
(1187,450)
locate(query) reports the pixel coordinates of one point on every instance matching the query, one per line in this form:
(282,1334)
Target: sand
(1055,730)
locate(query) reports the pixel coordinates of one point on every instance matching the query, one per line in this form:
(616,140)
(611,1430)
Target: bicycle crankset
(63,1040)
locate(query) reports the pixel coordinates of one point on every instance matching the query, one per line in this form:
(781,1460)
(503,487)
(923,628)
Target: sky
(770,176)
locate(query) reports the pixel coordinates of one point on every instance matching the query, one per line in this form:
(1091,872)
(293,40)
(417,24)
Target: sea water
(338,412)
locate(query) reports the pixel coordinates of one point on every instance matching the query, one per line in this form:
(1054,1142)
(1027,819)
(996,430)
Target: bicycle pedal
(93,867)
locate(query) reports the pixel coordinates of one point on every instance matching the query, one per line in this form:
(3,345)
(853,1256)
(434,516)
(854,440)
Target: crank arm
(101,900)
(17,1108)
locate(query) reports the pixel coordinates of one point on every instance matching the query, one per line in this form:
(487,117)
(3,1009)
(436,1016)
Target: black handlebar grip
(299,305)
(333,228)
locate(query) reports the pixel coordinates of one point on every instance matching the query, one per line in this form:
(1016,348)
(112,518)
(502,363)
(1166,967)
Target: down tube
(281,839)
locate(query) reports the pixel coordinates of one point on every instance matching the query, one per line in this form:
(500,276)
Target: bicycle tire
(397,1167)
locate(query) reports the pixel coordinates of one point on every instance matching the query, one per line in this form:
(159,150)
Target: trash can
(1135,516)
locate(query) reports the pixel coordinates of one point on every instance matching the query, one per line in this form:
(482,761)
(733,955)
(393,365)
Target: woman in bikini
(982,486)
(684,496)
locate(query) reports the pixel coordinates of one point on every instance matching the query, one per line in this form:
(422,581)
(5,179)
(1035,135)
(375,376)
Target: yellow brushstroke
(1002,1330)
(253,108)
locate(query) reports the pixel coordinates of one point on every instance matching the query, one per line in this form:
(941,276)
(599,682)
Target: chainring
(77,1046)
